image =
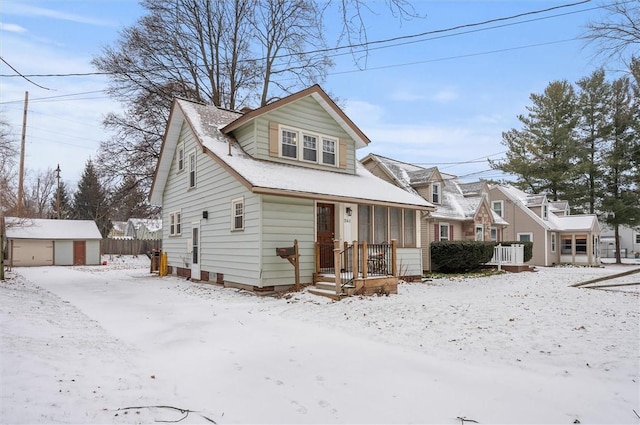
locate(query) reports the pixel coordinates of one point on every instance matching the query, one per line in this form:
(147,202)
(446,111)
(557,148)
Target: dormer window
(545,211)
(310,146)
(435,193)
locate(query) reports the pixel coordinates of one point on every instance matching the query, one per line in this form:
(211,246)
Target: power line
(22,75)
(366,44)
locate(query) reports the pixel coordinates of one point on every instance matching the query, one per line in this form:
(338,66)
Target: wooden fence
(129,246)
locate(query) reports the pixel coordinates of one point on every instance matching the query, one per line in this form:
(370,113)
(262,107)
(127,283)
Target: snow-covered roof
(264,176)
(569,223)
(152,224)
(37,228)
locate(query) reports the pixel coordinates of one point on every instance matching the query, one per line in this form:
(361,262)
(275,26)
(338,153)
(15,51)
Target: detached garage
(40,242)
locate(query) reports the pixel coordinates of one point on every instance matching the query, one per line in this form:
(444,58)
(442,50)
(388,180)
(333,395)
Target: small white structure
(42,242)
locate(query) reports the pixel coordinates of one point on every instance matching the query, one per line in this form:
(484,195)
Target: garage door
(32,252)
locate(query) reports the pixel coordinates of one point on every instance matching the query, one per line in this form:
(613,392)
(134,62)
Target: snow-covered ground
(112,344)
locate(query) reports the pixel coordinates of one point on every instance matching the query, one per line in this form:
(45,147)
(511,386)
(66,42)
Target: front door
(326,232)
(195,251)
(79,250)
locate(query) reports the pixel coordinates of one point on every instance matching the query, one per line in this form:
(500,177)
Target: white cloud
(403,95)
(21,9)
(445,95)
(12,28)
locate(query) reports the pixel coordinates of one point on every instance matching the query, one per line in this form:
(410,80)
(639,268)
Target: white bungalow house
(236,186)
(143,229)
(462,209)
(557,236)
(43,242)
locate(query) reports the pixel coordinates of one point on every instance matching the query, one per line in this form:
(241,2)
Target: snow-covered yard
(86,344)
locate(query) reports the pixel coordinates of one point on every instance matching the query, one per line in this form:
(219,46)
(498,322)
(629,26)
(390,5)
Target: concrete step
(325,293)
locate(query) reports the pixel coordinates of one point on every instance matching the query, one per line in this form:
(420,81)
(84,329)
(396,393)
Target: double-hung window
(315,147)
(435,193)
(175,223)
(444,232)
(310,148)
(290,144)
(497,207)
(237,214)
(192,170)
(180,157)
(328,151)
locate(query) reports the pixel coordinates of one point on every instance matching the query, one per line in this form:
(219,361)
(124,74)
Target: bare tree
(228,53)
(42,190)
(8,172)
(617,34)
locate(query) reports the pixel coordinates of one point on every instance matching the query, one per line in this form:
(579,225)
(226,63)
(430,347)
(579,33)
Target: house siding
(283,221)
(305,114)
(409,262)
(230,253)
(246,137)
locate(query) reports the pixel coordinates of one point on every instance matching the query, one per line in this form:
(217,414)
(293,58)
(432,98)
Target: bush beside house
(460,256)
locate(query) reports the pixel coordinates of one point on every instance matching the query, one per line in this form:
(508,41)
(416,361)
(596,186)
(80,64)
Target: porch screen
(364,223)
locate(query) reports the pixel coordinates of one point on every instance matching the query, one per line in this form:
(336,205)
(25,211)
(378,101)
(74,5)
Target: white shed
(42,242)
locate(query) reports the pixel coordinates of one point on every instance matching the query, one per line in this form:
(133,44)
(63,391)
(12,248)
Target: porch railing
(512,255)
(356,260)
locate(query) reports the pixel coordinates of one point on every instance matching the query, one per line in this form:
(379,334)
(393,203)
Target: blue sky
(436,101)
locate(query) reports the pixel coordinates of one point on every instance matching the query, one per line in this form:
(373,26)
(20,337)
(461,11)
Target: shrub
(528,248)
(460,256)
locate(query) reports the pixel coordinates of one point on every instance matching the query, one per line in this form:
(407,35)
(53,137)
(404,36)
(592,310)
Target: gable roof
(568,223)
(325,102)
(454,204)
(266,177)
(38,228)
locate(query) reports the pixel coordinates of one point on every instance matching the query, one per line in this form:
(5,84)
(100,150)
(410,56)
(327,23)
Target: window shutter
(436,233)
(451,233)
(342,152)
(273,139)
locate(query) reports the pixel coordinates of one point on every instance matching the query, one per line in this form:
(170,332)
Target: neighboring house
(118,229)
(557,236)
(235,186)
(462,209)
(143,229)
(40,242)
(629,242)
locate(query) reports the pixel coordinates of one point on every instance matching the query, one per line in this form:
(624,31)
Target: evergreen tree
(543,154)
(593,127)
(90,200)
(621,204)
(66,209)
(130,201)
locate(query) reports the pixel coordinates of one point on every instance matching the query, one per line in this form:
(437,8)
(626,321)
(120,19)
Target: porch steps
(327,288)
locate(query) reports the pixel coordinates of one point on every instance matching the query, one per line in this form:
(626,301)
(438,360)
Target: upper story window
(192,170)
(545,211)
(498,207)
(180,157)
(289,146)
(435,193)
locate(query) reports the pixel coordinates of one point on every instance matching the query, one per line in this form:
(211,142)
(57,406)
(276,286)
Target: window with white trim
(316,148)
(237,214)
(638,238)
(435,193)
(566,245)
(192,170)
(444,231)
(494,234)
(525,237)
(479,232)
(581,245)
(180,157)
(545,211)
(498,207)
(175,223)
(553,242)
(310,148)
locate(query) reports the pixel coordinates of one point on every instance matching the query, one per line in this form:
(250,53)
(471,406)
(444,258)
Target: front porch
(355,269)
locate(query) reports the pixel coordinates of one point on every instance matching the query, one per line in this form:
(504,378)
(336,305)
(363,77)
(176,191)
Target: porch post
(356,259)
(336,265)
(365,262)
(394,257)
(317,249)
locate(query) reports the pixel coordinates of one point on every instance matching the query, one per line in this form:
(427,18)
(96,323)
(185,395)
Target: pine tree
(593,127)
(66,209)
(90,200)
(621,203)
(130,201)
(543,154)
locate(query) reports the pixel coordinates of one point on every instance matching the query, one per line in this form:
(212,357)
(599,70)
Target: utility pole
(58,194)
(24,136)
